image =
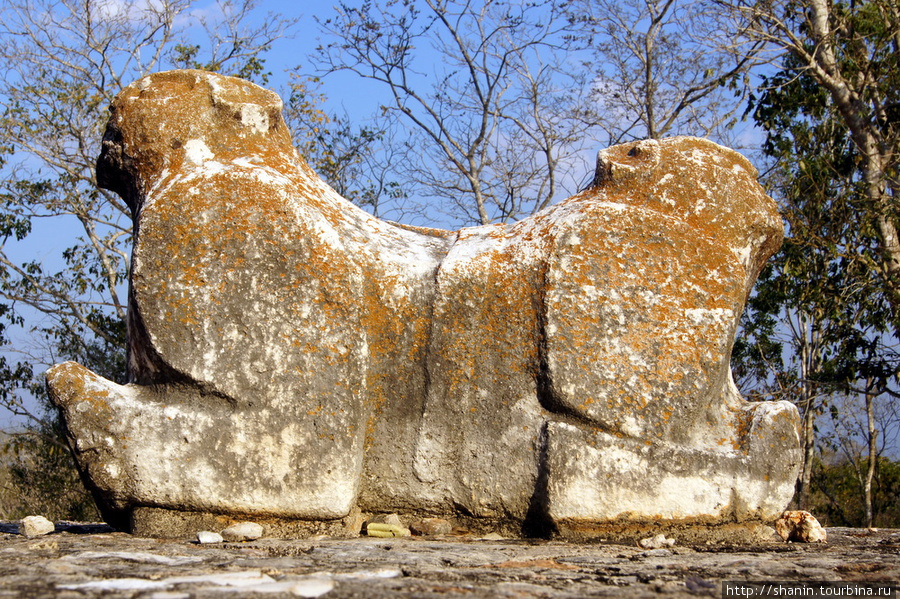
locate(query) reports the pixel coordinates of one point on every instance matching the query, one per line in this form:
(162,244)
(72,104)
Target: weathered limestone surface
(81,562)
(293,357)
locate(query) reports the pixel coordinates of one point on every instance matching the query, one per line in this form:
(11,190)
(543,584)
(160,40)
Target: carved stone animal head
(168,118)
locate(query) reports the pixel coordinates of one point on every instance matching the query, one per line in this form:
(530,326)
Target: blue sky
(342,90)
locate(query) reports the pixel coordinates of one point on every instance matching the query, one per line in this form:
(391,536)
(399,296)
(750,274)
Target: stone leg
(598,482)
(174,447)
(641,313)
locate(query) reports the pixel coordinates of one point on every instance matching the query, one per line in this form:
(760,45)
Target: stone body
(292,356)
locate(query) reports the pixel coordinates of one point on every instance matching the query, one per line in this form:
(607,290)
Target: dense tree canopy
(822,326)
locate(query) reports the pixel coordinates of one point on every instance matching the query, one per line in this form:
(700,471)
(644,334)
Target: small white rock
(311,587)
(242,531)
(658,542)
(390,519)
(33,526)
(378,529)
(205,537)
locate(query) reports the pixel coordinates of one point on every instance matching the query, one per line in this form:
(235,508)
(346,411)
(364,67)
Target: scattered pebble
(392,519)
(205,537)
(430,527)
(242,531)
(658,542)
(354,521)
(799,526)
(376,529)
(34,526)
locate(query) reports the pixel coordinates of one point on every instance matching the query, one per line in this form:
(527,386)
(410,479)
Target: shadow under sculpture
(293,357)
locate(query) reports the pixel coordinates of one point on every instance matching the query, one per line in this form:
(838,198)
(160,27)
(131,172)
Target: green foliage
(39,477)
(829,266)
(823,319)
(837,495)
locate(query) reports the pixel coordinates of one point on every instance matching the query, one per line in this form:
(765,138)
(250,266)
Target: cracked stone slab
(119,565)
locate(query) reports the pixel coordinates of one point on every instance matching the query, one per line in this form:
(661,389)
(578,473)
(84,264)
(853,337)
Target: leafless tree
(664,67)
(861,432)
(493,110)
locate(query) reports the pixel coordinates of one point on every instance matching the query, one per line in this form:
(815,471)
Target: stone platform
(92,561)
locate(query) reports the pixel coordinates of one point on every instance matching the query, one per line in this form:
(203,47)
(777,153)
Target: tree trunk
(808,364)
(809,444)
(872,440)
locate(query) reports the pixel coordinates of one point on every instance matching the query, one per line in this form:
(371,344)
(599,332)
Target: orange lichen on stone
(327,359)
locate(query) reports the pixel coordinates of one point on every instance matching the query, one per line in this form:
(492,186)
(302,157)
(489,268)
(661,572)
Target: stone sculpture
(293,357)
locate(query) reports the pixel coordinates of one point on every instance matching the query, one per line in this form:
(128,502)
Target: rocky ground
(79,561)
